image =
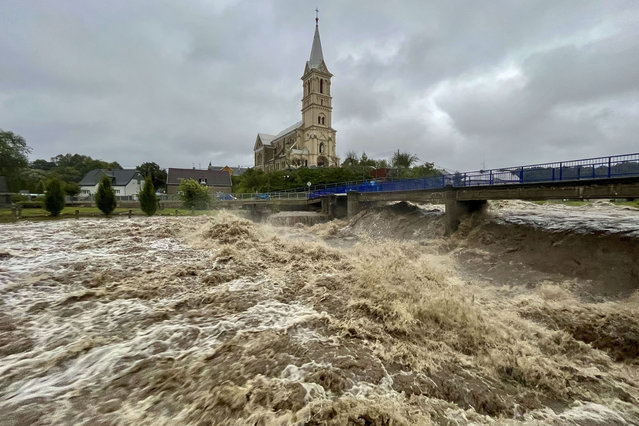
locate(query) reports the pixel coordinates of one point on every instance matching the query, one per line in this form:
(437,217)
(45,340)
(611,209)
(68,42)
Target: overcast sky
(464,84)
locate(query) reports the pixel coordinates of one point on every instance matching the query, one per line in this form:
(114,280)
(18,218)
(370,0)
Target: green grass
(69,212)
(634,203)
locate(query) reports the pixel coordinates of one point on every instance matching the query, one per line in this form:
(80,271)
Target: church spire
(316,51)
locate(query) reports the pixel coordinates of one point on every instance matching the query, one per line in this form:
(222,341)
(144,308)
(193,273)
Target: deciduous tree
(158,175)
(194,195)
(13,158)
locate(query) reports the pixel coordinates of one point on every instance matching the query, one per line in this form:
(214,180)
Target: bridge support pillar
(333,206)
(457,210)
(352,203)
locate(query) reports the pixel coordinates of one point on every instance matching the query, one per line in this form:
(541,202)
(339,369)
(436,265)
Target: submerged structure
(311,141)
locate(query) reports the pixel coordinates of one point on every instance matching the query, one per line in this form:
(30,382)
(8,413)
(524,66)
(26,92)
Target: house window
(202,181)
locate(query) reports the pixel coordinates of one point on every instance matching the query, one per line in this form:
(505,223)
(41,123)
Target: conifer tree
(54,198)
(148,199)
(105,197)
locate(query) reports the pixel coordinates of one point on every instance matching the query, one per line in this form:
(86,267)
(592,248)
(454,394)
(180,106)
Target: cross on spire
(316,16)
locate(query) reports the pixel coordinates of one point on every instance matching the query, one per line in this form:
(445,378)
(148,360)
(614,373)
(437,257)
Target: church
(311,141)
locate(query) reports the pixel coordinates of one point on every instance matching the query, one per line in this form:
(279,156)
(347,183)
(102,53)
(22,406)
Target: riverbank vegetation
(353,168)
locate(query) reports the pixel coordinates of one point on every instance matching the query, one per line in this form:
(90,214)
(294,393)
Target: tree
(158,175)
(381,164)
(72,167)
(351,159)
(54,197)
(40,164)
(365,161)
(403,160)
(72,188)
(148,199)
(105,197)
(13,158)
(194,195)
(427,169)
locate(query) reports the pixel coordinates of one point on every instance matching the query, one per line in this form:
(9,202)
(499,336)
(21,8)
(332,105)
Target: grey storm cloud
(462,84)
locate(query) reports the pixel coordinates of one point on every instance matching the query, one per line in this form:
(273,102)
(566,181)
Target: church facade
(311,141)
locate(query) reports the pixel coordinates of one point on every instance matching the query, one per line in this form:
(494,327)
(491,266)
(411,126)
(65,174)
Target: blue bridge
(602,168)
(603,177)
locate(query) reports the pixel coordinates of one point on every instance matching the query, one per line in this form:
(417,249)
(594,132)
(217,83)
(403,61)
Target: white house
(125,183)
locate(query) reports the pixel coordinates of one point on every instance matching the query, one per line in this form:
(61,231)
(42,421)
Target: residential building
(125,183)
(216,180)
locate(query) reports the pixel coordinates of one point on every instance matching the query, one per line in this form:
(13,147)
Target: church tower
(311,141)
(318,134)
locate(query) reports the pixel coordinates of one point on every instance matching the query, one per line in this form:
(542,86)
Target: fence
(617,166)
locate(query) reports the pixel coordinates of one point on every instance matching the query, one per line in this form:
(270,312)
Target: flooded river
(528,314)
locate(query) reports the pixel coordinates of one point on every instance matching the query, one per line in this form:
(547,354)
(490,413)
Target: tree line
(62,174)
(354,168)
(20,174)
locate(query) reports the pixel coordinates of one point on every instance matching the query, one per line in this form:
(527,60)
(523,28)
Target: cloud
(192,82)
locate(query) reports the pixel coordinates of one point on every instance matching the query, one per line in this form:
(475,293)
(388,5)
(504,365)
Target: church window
(321,148)
(321,86)
(319,120)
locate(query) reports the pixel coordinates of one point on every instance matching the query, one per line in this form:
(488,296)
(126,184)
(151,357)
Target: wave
(373,321)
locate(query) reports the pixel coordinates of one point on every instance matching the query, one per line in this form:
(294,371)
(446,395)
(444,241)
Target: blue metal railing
(591,168)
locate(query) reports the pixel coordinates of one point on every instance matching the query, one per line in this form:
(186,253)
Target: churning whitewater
(527,314)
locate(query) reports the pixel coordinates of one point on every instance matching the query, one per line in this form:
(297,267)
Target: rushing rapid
(526,314)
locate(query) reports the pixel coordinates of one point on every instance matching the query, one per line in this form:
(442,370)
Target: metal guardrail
(575,170)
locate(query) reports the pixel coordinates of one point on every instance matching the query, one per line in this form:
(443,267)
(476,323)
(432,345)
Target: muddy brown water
(526,315)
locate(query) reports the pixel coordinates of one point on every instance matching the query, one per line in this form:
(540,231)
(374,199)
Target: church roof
(265,138)
(317,57)
(289,129)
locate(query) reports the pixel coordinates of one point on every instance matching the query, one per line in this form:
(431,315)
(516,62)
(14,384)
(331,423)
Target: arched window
(321,86)
(323,118)
(321,148)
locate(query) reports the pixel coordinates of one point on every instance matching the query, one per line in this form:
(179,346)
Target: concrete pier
(457,210)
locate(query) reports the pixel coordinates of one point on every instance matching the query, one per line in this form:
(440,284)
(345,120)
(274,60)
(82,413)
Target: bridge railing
(575,170)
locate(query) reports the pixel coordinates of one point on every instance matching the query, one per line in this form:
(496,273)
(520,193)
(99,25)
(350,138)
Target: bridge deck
(605,188)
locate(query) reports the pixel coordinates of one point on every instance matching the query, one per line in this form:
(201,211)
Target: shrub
(54,197)
(194,195)
(105,197)
(148,200)
(30,204)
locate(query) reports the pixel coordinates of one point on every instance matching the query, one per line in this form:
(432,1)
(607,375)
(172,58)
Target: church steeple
(316,60)
(318,133)
(317,57)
